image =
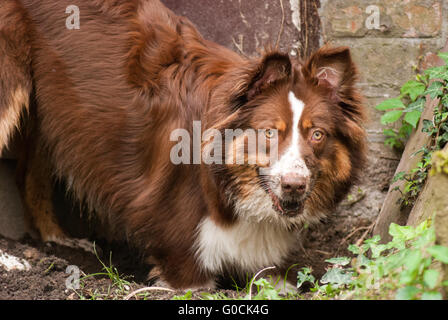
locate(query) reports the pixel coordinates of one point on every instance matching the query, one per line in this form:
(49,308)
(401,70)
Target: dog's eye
(317,135)
(270,133)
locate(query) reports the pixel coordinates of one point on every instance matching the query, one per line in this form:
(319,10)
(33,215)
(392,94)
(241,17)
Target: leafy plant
(265,289)
(415,179)
(403,269)
(187,296)
(408,108)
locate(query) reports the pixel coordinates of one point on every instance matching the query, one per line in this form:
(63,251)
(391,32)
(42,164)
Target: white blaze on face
(291,161)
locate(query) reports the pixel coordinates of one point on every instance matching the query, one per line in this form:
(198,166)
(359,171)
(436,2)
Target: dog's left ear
(273,68)
(333,70)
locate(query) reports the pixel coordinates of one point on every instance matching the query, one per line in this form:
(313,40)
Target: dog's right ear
(333,70)
(274,67)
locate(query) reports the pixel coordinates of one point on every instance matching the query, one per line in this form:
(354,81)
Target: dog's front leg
(34,181)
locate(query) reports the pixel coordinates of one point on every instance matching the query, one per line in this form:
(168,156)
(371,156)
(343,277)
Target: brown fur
(108,96)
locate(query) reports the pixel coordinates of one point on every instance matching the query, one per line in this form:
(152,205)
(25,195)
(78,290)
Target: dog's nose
(293,184)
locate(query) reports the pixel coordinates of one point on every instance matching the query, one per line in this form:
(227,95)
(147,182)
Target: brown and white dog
(105,99)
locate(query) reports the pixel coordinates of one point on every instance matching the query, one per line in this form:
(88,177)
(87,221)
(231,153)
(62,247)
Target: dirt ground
(46,280)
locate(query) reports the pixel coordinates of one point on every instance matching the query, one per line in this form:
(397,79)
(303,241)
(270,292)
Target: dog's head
(311,115)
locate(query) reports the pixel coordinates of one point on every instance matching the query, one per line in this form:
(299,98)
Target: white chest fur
(249,246)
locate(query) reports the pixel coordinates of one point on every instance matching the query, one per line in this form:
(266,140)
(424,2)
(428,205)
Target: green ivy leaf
(304,276)
(362,260)
(439,252)
(431,277)
(413,88)
(390,133)
(445,100)
(401,232)
(374,240)
(427,237)
(412,118)
(377,250)
(442,140)
(355,249)
(407,293)
(444,115)
(437,73)
(395,260)
(393,143)
(444,56)
(391,116)
(265,290)
(428,126)
(407,277)
(337,276)
(418,105)
(399,176)
(433,295)
(435,90)
(341,261)
(187,296)
(412,260)
(394,103)
(405,130)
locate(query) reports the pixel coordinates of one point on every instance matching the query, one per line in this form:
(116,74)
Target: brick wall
(387,54)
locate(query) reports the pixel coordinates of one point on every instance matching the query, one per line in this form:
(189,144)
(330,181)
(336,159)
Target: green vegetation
(405,112)
(117,287)
(406,109)
(405,268)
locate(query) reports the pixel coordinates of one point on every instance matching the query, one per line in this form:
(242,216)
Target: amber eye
(317,135)
(270,133)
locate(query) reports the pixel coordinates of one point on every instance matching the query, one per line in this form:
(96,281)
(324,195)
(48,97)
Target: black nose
(293,184)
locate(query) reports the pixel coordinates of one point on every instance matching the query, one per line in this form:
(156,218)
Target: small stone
(31,253)
(9,262)
(72,296)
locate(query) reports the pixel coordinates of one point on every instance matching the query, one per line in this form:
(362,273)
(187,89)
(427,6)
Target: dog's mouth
(289,208)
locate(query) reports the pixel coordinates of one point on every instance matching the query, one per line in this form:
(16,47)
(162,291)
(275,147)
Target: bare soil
(47,278)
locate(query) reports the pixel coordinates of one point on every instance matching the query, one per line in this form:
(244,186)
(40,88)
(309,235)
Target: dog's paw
(155,278)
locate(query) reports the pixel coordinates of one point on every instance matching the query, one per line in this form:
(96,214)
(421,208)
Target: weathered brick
(384,65)
(397,19)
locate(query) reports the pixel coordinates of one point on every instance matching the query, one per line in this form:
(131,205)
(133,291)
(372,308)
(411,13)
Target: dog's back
(92,91)
(15,71)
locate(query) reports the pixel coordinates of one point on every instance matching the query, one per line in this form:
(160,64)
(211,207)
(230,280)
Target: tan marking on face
(307,124)
(338,170)
(280,125)
(343,162)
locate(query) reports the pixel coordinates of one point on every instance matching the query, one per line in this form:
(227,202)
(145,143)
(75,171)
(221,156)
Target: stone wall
(388,53)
